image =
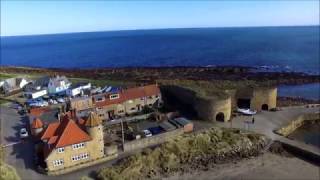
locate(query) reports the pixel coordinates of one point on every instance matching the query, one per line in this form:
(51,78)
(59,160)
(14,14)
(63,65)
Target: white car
(147,133)
(60,100)
(23,133)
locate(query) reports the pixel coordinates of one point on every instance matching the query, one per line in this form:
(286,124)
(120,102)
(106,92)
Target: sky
(50,17)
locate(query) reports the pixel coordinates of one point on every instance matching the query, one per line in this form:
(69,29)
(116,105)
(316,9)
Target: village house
(81,103)
(126,101)
(12,85)
(70,141)
(58,84)
(78,89)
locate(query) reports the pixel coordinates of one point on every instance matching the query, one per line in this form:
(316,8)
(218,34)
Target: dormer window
(60,150)
(114,96)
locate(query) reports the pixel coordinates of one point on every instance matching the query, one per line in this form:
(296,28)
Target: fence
(151,141)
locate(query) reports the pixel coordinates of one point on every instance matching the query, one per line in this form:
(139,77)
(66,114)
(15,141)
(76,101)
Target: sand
(268,166)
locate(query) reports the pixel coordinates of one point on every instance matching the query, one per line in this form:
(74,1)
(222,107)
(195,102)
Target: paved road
(266,122)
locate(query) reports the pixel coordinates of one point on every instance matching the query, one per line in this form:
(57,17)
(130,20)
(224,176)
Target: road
(266,122)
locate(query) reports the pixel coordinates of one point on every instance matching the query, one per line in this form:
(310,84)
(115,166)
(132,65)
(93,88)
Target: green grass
(3,101)
(7,172)
(101,82)
(180,152)
(6,76)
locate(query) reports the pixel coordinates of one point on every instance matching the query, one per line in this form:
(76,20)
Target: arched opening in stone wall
(265,107)
(243,103)
(220,117)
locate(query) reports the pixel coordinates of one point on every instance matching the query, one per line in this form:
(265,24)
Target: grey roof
(57,79)
(167,126)
(43,81)
(182,121)
(13,83)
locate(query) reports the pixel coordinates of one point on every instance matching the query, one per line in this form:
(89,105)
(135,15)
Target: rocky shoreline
(294,101)
(152,74)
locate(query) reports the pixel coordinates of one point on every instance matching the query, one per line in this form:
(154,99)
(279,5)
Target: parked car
(23,133)
(155,130)
(147,133)
(61,100)
(22,112)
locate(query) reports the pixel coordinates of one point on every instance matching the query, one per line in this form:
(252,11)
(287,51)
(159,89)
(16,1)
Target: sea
(293,49)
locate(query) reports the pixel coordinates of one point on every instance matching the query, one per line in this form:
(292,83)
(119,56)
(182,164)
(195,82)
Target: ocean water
(306,91)
(275,48)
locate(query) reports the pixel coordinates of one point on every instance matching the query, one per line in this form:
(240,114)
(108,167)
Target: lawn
(101,82)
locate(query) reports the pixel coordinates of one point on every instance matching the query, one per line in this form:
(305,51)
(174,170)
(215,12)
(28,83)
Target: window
(133,108)
(157,96)
(142,98)
(77,146)
(100,98)
(120,111)
(101,115)
(114,96)
(80,157)
(150,97)
(60,150)
(58,162)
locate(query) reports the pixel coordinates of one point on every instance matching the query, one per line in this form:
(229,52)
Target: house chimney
(59,117)
(74,117)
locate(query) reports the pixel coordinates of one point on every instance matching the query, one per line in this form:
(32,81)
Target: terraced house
(126,101)
(72,141)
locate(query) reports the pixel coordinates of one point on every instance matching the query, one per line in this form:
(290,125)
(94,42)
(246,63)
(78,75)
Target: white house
(14,84)
(58,84)
(78,89)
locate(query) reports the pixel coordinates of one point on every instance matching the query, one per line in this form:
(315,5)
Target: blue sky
(47,17)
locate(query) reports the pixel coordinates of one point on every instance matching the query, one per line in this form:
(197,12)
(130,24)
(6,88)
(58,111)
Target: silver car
(23,133)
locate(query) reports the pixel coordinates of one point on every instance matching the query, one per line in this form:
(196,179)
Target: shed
(165,125)
(186,124)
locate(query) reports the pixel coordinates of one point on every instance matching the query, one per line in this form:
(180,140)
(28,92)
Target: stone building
(258,98)
(71,142)
(216,108)
(126,101)
(81,103)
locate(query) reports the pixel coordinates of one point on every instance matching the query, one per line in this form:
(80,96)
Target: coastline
(152,74)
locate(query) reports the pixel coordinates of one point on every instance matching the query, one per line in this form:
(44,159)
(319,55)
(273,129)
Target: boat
(246,111)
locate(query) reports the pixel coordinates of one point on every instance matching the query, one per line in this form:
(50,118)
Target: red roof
(64,133)
(128,94)
(38,111)
(36,123)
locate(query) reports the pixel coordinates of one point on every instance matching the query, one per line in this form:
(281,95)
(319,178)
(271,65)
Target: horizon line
(146,29)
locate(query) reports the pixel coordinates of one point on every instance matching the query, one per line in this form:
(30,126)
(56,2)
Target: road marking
(11,144)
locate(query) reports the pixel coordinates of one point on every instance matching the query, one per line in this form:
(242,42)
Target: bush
(178,152)
(8,172)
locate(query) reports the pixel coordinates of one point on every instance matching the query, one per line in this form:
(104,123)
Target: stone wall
(297,122)
(263,96)
(82,165)
(208,109)
(151,141)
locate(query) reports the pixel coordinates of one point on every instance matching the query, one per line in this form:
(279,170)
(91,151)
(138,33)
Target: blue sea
(275,48)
